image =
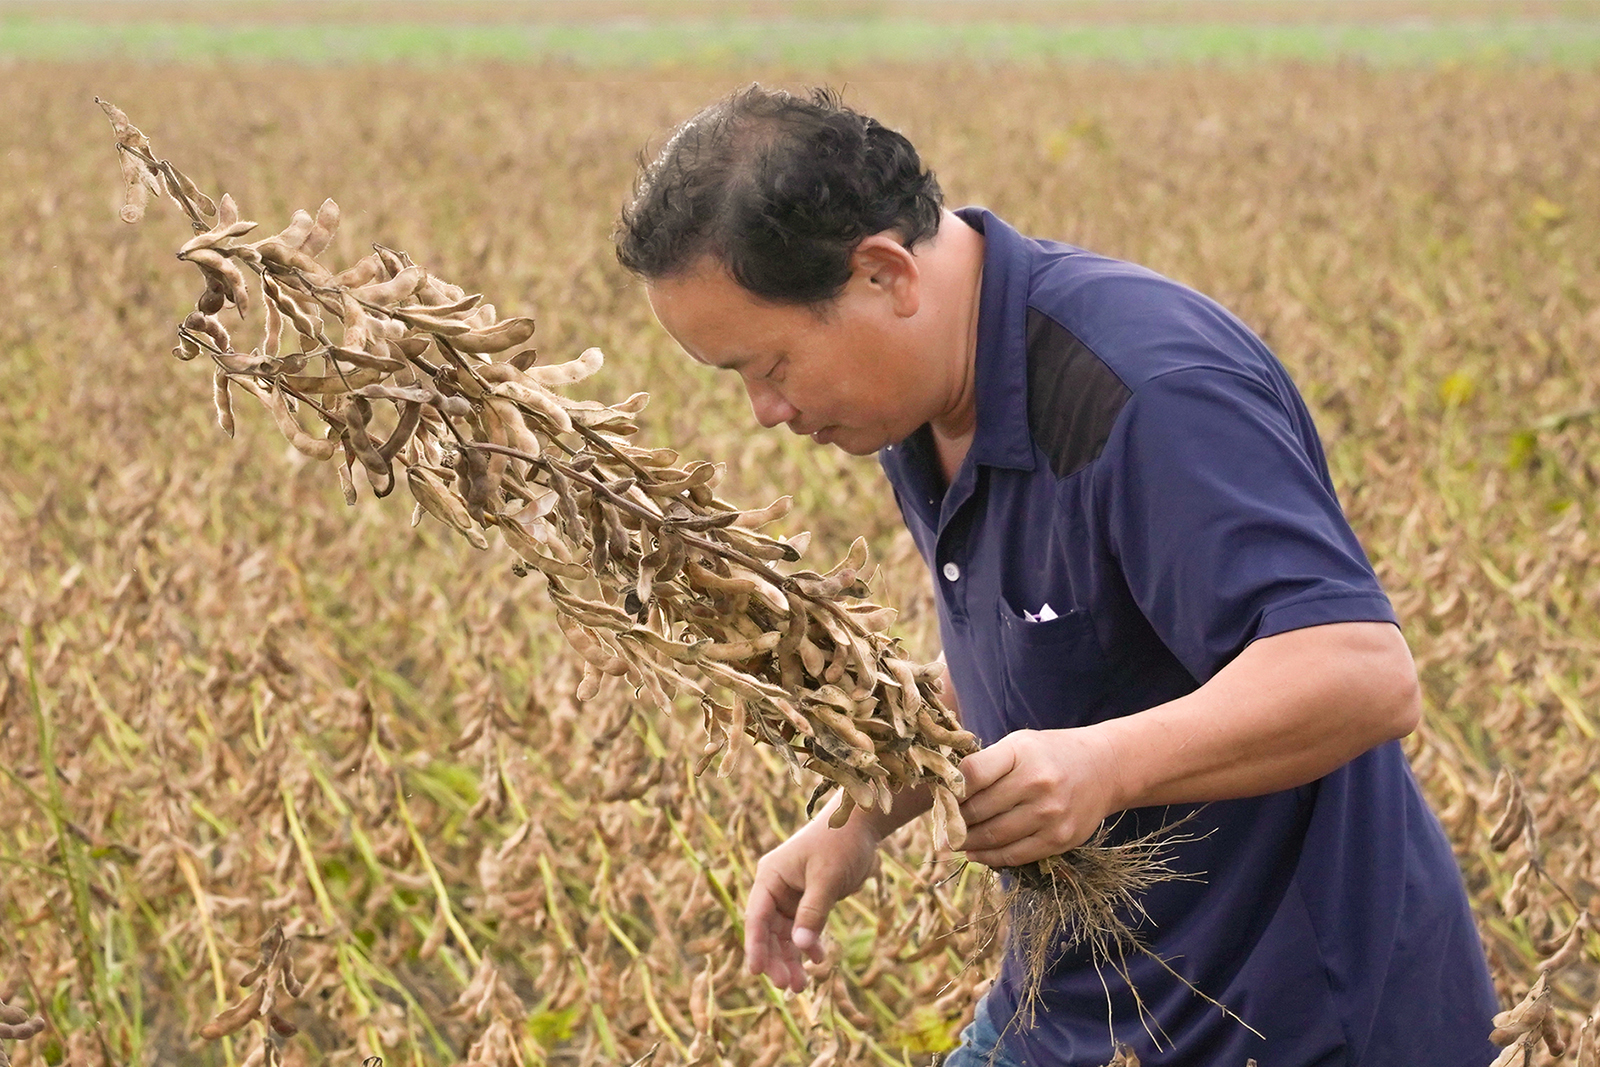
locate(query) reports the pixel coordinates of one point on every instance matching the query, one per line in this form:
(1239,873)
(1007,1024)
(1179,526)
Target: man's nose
(770,407)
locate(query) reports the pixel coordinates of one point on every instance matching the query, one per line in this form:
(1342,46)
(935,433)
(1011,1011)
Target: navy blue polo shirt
(1144,496)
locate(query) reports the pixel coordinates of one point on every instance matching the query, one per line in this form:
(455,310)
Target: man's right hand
(796,886)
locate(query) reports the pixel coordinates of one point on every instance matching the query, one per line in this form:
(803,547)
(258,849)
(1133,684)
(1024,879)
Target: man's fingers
(988,765)
(1009,826)
(1015,854)
(986,806)
(810,916)
(767,928)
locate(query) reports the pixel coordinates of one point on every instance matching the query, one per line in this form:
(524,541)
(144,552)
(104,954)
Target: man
(1149,599)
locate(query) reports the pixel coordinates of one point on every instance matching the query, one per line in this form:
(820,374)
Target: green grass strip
(804,42)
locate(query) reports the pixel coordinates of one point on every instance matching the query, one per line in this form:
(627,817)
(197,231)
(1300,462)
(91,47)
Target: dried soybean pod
(761,547)
(574,370)
(222,400)
(1515,898)
(289,259)
(903,675)
(410,416)
(832,584)
(1511,822)
(566,504)
(856,788)
(393,262)
(215,236)
(871,617)
(845,730)
(473,476)
(11,1015)
(798,623)
(738,725)
(696,474)
(841,814)
(936,765)
(739,651)
(400,394)
(363,271)
(397,288)
(438,499)
(227,210)
(947,821)
(442,326)
(357,413)
(751,520)
(295,234)
(677,553)
(309,329)
(1550,1032)
(650,457)
(272,338)
(1525,1018)
(214,264)
(622,547)
(322,231)
(812,656)
(347,480)
(525,546)
(215,297)
(585,642)
(538,400)
(963,742)
(211,327)
(589,684)
(451,309)
(331,384)
(202,203)
(187,348)
(235,1018)
(656,558)
(1503,786)
(277,404)
(134,147)
(600,536)
(1571,948)
(518,435)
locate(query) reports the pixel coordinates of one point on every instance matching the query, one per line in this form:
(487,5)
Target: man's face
(846,376)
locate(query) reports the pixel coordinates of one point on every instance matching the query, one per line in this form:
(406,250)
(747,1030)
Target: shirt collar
(1001,438)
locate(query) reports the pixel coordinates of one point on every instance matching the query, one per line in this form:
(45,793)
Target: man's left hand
(1036,793)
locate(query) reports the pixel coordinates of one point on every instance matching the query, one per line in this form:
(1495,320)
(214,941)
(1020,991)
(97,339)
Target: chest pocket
(1055,675)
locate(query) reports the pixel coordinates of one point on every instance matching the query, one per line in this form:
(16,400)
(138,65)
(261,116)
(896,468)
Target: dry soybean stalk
(654,578)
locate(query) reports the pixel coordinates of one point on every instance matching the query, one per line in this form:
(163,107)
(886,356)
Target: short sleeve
(1223,519)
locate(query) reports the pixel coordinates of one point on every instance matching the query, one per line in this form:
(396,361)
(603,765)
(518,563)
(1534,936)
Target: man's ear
(888,267)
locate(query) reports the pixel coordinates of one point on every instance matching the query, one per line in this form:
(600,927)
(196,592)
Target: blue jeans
(978,1041)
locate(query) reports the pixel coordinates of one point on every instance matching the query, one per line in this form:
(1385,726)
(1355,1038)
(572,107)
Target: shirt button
(951,571)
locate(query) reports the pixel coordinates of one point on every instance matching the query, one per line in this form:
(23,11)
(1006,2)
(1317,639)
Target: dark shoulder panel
(1073,397)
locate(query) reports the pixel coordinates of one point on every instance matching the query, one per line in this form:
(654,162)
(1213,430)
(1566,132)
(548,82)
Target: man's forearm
(907,805)
(1289,709)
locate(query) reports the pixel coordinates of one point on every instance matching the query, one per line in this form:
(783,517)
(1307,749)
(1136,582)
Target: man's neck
(959,278)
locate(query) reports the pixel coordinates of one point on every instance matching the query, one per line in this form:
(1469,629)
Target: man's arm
(1289,709)
(797,884)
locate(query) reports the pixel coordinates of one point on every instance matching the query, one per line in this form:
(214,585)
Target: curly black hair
(778,188)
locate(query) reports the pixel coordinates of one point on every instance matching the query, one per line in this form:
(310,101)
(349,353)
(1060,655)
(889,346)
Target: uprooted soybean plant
(680,579)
